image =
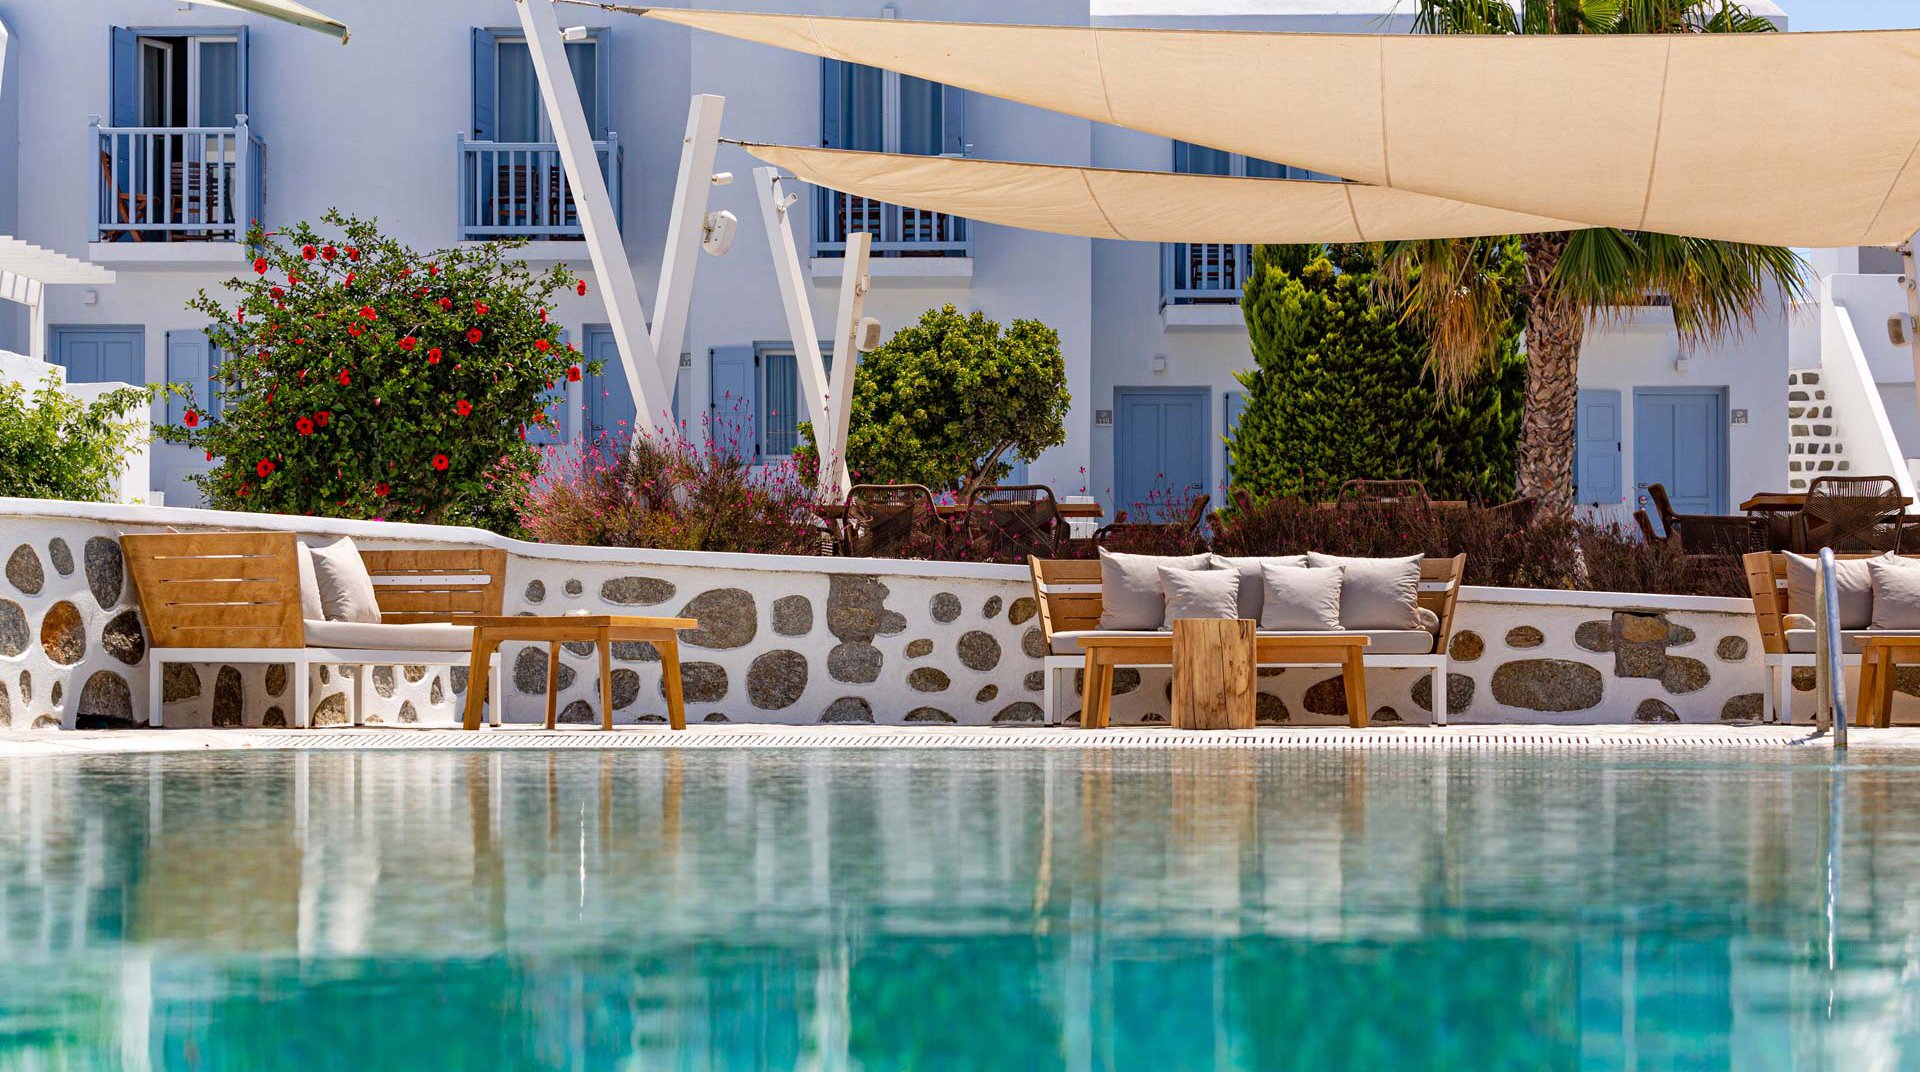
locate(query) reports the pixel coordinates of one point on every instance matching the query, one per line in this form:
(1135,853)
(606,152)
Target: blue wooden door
(1596,464)
(100,355)
(610,409)
(1680,441)
(733,402)
(1160,454)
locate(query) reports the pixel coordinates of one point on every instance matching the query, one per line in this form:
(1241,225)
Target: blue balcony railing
(898,231)
(1203,273)
(520,189)
(174,184)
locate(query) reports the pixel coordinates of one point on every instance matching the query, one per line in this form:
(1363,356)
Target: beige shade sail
(287,11)
(1793,139)
(1148,206)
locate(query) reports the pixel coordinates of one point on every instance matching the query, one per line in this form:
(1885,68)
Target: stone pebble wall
(803,645)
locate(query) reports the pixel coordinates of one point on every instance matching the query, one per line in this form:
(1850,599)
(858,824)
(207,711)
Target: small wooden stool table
(1214,677)
(1879,657)
(1343,650)
(601,630)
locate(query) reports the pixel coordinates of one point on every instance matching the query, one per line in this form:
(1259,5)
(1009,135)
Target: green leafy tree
(1714,288)
(364,379)
(948,401)
(1340,388)
(55,446)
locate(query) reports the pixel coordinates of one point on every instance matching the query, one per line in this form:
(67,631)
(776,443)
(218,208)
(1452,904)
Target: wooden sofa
(1068,594)
(234,597)
(1787,644)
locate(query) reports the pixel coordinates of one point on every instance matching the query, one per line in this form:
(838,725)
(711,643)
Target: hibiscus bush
(364,379)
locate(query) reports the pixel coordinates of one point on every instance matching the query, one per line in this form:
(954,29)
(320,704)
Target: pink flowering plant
(363,379)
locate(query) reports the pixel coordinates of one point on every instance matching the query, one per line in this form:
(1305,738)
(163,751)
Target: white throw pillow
(1252,583)
(1896,595)
(1853,577)
(1199,593)
(346,588)
(312,608)
(1300,598)
(1130,595)
(1377,593)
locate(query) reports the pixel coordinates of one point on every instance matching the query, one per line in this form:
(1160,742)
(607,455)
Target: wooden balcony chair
(1708,535)
(1155,537)
(131,206)
(1381,491)
(1850,513)
(1014,522)
(890,521)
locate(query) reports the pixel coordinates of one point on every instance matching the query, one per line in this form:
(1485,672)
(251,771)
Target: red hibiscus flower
(406,273)
(473,336)
(446,304)
(380,490)
(304,426)
(353,254)
(542,345)
(440,462)
(300,341)
(433,356)
(354,330)
(323,418)
(433,269)
(580,287)
(277,292)
(260,266)
(265,468)
(463,407)
(328,252)
(344,378)
(243,489)
(543,316)
(191,418)
(239,316)
(409,343)
(479,308)
(209,455)
(309,252)
(348,281)
(573,374)
(293,279)
(367,313)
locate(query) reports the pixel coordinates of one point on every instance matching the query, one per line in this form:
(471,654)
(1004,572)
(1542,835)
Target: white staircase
(1814,444)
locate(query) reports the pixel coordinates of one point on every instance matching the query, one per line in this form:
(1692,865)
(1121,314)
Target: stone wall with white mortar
(802,640)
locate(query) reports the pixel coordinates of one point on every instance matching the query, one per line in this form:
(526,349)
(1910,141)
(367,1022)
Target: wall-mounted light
(1900,329)
(575,34)
(1159,363)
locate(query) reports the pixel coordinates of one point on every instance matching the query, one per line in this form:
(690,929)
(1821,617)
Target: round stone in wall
(945,607)
(1019,712)
(701,682)
(1679,635)
(1033,644)
(1802,678)
(1270,710)
(1684,675)
(626,688)
(61,556)
(106,571)
(1021,610)
(123,639)
(928,679)
(1459,693)
(1327,697)
(276,679)
(855,662)
(991,609)
(1548,685)
(23,569)
(1387,714)
(14,632)
(179,681)
(536,591)
(229,699)
(793,616)
(637,591)
(776,680)
(26,686)
(979,651)
(106,702)
(928,714)
(577,712)
(715,716)
(1746,707)
(1655,711)
(457,678)
(987,694)
(573,587)
(1594,636)
(46,722)
(857,609)
(63,636)
(59,690)
(381,678)
(635,651)
(274,718)
(1525,636)
(408,712)
(6,707)
(1036,681)
(848,709)
(1731,649)
(530,673)
(437,694)
(726,617)
(414,674)
(919,649)
(1466,646)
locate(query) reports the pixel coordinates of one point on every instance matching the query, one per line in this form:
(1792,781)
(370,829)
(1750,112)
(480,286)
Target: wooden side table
(1343,650)
(1214,677)
(600,630)
(1879,658)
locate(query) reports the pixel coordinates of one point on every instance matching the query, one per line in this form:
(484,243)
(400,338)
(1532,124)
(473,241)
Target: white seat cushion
(1382,641)
(425,636)
(1800,641)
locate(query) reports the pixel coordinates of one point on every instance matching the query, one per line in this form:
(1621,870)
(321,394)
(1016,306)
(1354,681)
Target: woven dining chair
(1013,522)
(1850,513)
(890,521)
(1146,537)
(1706,534)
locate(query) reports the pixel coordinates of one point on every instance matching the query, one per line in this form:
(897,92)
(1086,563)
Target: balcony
(1200,283)
(520,189)
(160,188)
(909,244)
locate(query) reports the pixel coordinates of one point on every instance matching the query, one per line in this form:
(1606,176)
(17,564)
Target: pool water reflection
(1010,909)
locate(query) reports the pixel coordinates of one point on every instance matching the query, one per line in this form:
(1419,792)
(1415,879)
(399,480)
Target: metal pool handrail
(1830,691)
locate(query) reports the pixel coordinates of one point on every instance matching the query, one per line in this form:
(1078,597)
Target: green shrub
(365,379)
(54,446)
(945,402)
(1340,389)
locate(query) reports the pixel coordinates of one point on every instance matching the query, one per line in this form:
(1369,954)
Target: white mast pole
(846,350)
(774,202)
(685,229)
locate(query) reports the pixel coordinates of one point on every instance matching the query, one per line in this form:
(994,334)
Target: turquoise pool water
(958,910)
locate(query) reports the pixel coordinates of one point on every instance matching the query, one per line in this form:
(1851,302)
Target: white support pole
(794,298)
(601,225)
(37,321)
(684,231)
(834,478)
(1910,282)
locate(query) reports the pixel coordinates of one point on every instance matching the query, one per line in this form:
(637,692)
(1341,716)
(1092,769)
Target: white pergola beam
(794,299)
(685,229)
(846,347)
(652,398)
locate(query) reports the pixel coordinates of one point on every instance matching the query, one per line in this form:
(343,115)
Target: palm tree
(1716,289)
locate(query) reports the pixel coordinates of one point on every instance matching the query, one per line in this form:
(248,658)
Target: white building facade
(149,131)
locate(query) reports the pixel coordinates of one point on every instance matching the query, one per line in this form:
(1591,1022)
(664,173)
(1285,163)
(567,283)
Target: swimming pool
(1009,909)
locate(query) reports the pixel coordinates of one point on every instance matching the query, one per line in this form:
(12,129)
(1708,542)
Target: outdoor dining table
(1069,510)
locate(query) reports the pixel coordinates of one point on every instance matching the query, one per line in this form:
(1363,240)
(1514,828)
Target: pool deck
(749,735)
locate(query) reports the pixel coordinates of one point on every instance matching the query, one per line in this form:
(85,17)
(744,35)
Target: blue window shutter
(1236,404)
(484,79)
(126,79)
(833,95)
(780,409)
(189,362)
(240,57)
(953,120)
(610,409)
(733,401)
(1182,157)
(1596,466)
(602,82)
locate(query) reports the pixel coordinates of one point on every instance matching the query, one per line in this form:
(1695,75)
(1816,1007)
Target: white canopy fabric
(1148,206)
(286,11)
(1793,139)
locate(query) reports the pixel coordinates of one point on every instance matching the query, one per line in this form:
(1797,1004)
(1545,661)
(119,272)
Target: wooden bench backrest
(217,589)
(437,585)
(1767,584)
(1068,592)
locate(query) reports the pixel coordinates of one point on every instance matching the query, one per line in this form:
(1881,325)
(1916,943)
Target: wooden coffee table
(1879,658)
(600,630)
(1344,650)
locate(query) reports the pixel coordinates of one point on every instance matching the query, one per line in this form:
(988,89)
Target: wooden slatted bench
(1785,644)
